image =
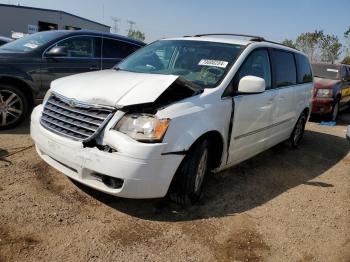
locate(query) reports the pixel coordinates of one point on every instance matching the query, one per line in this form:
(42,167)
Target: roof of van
(238,39)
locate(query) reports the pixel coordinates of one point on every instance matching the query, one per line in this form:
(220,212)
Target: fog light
(112,182)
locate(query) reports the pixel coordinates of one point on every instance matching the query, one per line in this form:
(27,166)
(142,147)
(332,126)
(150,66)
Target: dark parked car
(4,40)
(28,65)
(331,89)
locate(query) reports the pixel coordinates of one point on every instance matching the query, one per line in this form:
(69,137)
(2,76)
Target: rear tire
(335,112)
(298,131)
(14,106)
(186,187)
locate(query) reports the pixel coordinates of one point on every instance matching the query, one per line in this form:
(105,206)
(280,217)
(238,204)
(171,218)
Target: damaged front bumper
(141,169)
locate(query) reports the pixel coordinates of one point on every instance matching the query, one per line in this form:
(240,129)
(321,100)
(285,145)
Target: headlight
(324,93)
(47,95)
(143,127)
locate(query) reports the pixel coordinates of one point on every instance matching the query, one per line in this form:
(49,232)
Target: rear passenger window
(117,49)
(284,68)
(304,69)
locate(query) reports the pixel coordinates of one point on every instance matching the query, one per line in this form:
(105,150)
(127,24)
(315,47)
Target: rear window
(327,71)
(304,69)
(117,49)
(284,68)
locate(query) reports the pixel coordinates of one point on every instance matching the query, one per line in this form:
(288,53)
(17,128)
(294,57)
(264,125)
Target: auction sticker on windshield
(216,63)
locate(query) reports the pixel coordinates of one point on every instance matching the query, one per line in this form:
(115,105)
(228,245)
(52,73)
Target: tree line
(322,47)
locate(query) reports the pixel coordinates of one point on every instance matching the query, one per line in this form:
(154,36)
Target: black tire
(186,187)
(335,112)
(14,106)
(298,131)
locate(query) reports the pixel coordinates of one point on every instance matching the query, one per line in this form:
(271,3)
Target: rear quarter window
(117,49)
(304,69)
(284,68)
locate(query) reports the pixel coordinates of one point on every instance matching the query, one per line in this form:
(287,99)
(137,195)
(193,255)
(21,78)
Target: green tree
(136,34)
(346,60)
(309,43)
(289,43)
(330,48)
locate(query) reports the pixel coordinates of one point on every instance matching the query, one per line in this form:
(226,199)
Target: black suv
(28,65)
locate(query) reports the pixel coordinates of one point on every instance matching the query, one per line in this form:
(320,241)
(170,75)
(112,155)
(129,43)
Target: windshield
(326,71)
(31,42)
(199,62)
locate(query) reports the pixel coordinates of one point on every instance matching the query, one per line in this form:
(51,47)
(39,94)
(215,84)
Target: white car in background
(171,112)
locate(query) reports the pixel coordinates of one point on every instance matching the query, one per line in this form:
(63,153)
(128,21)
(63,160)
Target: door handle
(94,67)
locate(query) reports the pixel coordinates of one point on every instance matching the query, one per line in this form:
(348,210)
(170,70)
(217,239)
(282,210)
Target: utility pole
(131,25)
(116,21)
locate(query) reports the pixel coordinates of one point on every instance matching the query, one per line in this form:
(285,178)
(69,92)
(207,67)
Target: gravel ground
(282,205)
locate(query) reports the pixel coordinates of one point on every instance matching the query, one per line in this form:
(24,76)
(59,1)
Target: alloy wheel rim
(335,111)
(202,168)
(11,107)
(298,131)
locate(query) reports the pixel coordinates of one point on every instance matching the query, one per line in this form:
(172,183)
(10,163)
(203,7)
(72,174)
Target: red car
(331,89)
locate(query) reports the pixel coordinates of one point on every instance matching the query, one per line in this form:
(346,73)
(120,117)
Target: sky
(275,20)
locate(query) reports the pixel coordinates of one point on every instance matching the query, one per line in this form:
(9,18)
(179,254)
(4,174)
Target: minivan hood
(113,88)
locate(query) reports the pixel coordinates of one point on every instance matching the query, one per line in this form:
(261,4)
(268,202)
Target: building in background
(16,20)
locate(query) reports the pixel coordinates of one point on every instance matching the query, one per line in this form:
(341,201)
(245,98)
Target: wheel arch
(21,85)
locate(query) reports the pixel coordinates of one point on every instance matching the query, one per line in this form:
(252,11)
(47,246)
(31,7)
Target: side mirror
(57,51)
(251,85)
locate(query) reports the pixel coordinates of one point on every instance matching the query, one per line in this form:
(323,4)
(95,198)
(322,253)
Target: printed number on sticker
(216,63)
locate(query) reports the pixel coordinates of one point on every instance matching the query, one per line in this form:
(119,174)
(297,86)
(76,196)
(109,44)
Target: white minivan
(178,108)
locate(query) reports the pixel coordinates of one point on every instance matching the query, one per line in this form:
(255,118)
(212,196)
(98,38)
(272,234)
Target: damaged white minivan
(159,121)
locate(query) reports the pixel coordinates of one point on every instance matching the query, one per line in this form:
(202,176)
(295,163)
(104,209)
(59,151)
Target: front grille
(76,120)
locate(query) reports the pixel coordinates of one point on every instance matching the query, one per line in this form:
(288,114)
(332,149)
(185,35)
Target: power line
(116,21)
(131,25)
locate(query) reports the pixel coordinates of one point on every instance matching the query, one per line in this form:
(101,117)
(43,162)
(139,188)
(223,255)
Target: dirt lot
(283,205)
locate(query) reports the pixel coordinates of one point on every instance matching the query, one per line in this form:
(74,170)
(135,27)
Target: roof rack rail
(254,37)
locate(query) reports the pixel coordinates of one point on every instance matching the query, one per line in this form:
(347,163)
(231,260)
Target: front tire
(187,185)
(14,106)
(298,131)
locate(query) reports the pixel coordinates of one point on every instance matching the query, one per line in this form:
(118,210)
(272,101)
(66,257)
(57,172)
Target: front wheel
(13,106)
(186,187)
(298,131)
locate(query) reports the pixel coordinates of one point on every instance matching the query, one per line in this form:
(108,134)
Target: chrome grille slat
(49,108)
(70,114)
(63,127)
(67,121)
(75,111)
(78,121)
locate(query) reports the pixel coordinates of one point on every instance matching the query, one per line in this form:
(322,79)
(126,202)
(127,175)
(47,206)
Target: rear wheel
(298,131)
(186,187)
(335,112)
(13,106)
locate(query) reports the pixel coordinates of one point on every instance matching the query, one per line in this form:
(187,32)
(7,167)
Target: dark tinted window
(344,72)
(2,42)
(284,68)
(117,49)
(304,69)
(82,46)
(327,71)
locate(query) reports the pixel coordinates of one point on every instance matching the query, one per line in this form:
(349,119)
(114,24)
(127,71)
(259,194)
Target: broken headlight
(143,127)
